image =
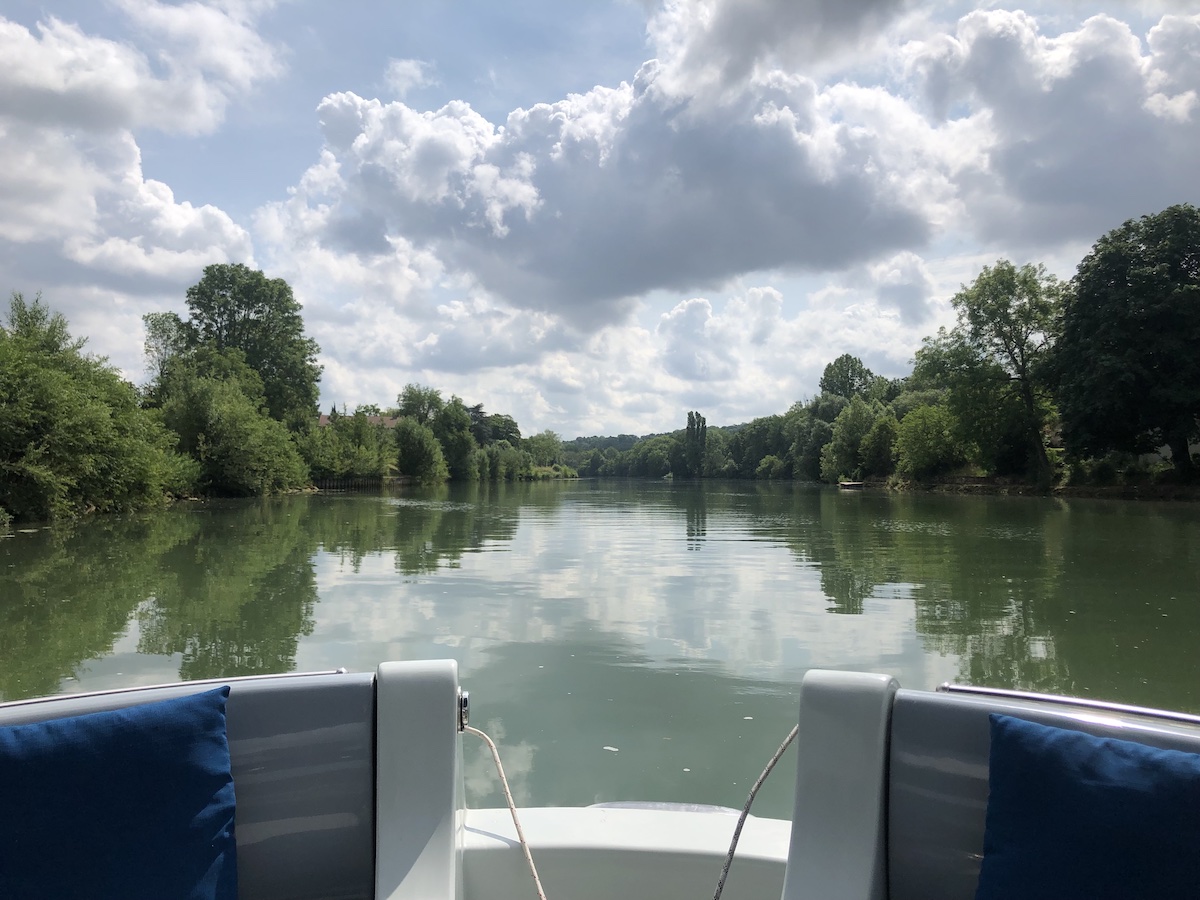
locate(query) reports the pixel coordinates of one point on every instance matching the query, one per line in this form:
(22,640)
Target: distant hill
(625,442)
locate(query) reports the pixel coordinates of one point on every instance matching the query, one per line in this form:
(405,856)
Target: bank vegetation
(1041,383)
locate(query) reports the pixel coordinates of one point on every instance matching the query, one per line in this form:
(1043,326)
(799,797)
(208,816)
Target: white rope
(737,832)
(512,808)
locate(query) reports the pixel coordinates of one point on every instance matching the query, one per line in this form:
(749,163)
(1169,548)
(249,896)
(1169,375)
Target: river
(621,640)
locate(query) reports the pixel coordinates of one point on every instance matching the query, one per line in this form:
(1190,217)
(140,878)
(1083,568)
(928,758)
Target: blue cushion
(133,803)
(1075,816)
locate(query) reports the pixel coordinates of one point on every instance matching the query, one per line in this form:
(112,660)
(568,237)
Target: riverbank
(1008,487)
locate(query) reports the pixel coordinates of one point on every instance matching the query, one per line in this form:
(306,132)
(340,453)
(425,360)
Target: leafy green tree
(650,458)
(841,456)
(1007,324)
(74,438)
(911,398)
(504,428)
(418,453)
(420,403)
(349,446)
(847,377)
(771,468)
(593,464)
(992,427)
(506,463)
(885,390)
(372,447)
(992,370)
(166,338)
(241,450)
(811,437)
(235,307)
(324,452)
(717,462)
(827,407)
(759,438)
(878,448)
(615,462)
(481,426)
(926,443)
(545,448)
(1127,365)
(177,383)
(452,427)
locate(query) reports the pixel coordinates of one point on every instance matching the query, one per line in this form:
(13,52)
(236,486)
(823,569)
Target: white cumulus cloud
(404,75)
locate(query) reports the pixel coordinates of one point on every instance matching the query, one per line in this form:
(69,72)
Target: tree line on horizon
(1039,380)
(230,409)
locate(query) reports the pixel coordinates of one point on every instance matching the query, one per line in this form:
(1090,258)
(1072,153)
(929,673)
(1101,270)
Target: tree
(771,468)
(214,402)
(826,407)
(349,446)
(651,458)
(452,427)
(990,419)
(809,438)
(504,428)
(694,441)
(420,403)
(1127,366)
(593,465)
(506,463)
(911,399)
(234,307)
(418,453)
(926,443)
(545,447)
(878,448)
(72,435)
(481,426)
(842,455)
(759,438)
(166,338)
(998,351)
(847,377)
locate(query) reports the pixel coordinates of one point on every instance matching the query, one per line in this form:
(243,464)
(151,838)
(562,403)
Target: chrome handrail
(1103,705)
(199,682)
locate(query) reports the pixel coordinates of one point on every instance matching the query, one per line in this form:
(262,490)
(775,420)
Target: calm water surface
(670,622)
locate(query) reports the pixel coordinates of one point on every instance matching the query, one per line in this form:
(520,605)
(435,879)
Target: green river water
(621,640)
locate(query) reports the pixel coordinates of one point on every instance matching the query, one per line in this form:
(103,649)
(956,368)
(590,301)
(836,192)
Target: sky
(591,216)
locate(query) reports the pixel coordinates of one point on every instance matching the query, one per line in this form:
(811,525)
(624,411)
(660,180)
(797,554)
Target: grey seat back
(302,751)
(938,780)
